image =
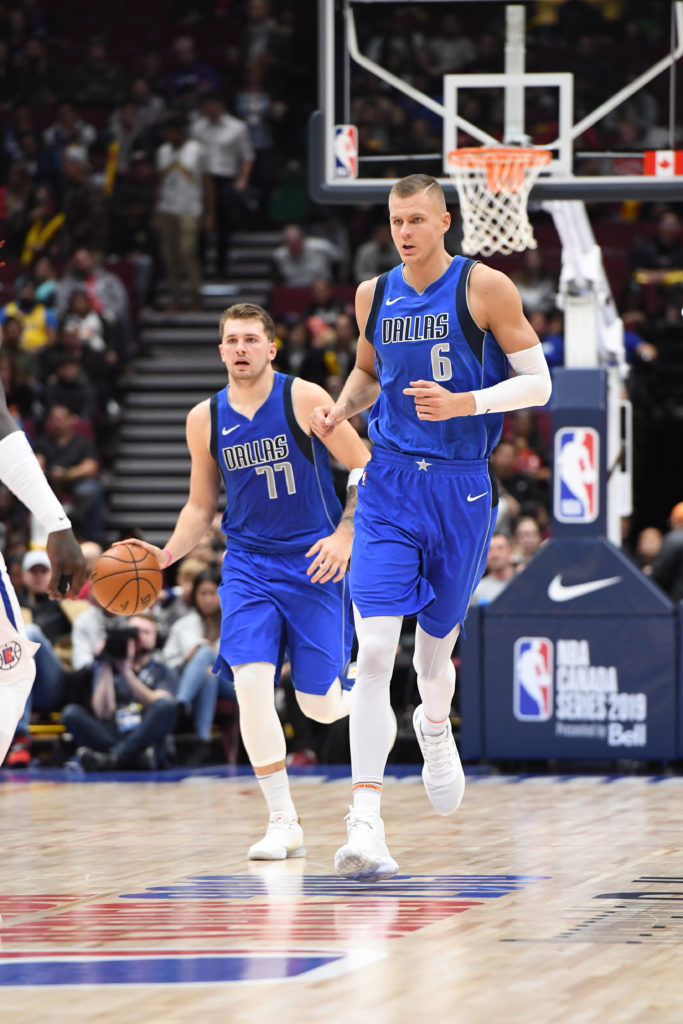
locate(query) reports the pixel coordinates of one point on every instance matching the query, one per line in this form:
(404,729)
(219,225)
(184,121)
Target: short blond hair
(249,311)
(412,184)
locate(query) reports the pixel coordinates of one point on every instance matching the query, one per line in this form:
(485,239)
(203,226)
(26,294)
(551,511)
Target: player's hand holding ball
(127,578)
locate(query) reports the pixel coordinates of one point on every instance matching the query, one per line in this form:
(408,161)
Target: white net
(493,187)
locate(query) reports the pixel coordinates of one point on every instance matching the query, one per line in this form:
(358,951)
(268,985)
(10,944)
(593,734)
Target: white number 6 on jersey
(441,364)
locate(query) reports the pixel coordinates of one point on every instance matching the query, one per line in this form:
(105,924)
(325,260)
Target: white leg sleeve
(435,672)
(262,735)
(372,725)
(326,707)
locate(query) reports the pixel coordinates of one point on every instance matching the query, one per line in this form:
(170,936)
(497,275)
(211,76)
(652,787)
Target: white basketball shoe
(284,838)
(442,773)
(365,856)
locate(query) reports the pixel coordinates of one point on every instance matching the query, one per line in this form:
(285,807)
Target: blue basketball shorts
(422,533)
(271,612)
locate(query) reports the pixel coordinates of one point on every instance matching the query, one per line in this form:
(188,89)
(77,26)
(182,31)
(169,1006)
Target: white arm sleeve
(21,472)
(531,386)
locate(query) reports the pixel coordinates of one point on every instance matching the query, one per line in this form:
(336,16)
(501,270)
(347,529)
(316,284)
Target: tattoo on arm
(350,507)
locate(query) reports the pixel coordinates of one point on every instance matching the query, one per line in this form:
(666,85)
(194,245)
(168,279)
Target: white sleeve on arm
(530,386)
(21,472)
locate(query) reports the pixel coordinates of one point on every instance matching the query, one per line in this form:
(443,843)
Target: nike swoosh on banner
(558,591)
(476,497)
(229,430)
(390,302)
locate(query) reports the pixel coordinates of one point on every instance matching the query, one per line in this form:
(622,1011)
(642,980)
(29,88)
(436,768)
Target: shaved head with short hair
(414,184)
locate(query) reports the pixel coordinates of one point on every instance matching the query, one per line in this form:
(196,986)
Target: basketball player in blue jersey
(437,335)
(20,471)
(288,545)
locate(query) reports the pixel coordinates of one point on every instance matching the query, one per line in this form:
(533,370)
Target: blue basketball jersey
(431,336)
(278,480)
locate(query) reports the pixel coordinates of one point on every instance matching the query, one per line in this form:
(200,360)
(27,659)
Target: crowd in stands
(121,167)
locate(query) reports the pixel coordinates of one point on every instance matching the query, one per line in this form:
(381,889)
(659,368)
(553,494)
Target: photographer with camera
(132,709)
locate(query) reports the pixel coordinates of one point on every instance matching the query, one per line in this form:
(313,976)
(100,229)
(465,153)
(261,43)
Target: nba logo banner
(576,472)
(533,679)
(345,151)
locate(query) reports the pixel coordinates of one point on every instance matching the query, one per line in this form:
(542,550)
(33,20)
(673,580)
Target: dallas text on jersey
(414,328)
(255,453)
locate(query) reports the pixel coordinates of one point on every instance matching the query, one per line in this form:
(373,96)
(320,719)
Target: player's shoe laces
(365,856)
(284,838)
(442,773)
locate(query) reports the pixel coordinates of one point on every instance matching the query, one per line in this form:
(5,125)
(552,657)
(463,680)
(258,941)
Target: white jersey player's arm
(20,471)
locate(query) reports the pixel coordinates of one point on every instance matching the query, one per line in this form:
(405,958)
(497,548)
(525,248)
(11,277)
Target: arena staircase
(178,366)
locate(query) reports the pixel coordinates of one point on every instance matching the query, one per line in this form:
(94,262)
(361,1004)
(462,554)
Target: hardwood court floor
(548,900)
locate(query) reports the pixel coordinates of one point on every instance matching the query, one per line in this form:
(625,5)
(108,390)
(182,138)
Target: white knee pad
(262,735)
(325,707)
(432,656)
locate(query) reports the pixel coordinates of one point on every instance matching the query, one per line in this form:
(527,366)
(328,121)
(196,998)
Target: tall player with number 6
(437,334)
(288,546)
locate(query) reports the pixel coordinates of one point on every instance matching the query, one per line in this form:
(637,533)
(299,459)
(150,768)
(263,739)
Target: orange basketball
(126,579)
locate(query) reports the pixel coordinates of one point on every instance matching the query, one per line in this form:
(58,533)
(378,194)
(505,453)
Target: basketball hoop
(493,186)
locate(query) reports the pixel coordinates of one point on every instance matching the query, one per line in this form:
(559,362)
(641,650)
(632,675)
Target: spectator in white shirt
(185,200)
(229,160)
(301,259)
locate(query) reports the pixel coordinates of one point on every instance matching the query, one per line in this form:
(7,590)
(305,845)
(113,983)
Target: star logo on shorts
(423,464)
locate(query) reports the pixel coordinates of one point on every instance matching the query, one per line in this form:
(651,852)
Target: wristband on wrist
(354,477)
(166,551)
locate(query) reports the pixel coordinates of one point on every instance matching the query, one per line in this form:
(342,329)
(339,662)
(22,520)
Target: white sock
(430,728)
(372,725)
(275,789)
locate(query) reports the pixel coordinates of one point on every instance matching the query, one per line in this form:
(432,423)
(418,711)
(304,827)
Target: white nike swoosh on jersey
(558,591)
(390,302)
(229,430)
(476,497)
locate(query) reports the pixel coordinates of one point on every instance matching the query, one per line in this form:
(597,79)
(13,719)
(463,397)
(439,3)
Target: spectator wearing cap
(667,568)
(185,197)
(37,607)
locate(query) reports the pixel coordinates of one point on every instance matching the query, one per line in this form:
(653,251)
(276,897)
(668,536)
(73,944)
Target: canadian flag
(663,163)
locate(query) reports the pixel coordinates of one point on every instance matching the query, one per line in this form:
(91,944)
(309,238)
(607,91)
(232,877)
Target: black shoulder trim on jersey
(380,288)
(213,406)
(494,487)
(474,335)
(304,442)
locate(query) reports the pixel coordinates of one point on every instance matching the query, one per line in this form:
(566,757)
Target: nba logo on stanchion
(345,151)
(577,485)
(533,679)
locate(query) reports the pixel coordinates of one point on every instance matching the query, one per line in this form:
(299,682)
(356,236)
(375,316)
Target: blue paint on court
(240,887)
(184,969)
